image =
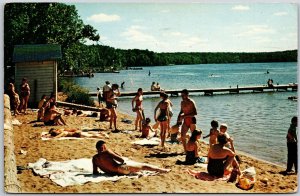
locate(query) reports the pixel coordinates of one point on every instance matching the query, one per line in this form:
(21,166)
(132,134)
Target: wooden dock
(212,91)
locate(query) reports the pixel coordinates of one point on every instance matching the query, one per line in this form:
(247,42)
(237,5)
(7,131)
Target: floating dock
(212,91)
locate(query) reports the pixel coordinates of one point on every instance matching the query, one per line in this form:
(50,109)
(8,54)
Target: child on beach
(223,130)
(146,128)
(174,131)
(213,133)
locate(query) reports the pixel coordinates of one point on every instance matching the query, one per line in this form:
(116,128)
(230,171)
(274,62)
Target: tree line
(49,23)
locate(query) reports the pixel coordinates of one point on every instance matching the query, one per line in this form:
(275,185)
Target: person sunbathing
(113,164)
(69,132)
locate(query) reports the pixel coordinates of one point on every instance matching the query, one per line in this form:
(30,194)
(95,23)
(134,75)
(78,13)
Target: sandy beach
(27,137)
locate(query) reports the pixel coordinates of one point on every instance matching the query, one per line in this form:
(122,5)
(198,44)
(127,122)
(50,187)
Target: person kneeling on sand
(220,158)
(69,132)
(146,128)
(113,164)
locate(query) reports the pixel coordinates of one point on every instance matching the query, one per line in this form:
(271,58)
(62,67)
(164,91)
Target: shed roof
(36,52)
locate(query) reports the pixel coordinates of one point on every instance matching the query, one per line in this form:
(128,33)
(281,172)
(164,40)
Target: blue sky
(194,27)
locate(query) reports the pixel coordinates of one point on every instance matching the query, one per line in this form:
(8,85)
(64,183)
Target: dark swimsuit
(49,123)
(162,116)
(190,158)
(24,91)
(215,167)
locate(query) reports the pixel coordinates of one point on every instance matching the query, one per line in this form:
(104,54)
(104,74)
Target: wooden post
(11,184)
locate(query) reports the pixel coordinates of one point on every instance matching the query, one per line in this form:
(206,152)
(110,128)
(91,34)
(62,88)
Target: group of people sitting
(48,113)
(155,86)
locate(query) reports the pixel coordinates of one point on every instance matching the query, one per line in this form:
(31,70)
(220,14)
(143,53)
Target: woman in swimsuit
(14,98)
(112,104)
(170,115)
(25,93)
(192,148)
(163,116)
(138,99)
(220,158)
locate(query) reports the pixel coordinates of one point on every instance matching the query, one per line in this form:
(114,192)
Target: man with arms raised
(112,163)
(187,115)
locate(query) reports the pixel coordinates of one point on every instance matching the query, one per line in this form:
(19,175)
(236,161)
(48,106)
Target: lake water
(258,122)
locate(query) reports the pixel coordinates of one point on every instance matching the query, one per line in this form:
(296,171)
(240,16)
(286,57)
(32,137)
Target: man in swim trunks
(187,115)
(220,158)
(112,163)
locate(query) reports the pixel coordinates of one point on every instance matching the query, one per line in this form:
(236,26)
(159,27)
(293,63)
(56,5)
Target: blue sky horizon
(194,27)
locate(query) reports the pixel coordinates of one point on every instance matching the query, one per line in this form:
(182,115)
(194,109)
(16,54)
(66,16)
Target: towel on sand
(78,172)
(154,141)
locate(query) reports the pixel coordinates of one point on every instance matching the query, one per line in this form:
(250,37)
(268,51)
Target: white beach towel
(43,136)
(78,172)
(154,141)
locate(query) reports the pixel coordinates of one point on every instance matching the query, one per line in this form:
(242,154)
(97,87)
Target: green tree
(44,23)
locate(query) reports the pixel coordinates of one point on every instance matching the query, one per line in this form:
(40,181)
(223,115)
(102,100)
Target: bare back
(218,151)
(106,162)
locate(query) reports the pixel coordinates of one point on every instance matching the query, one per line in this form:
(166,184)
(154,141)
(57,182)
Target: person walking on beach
(112,163)
(138,108)
(292,142)
(187,114)
(112,105)
(162,117)
(25,93)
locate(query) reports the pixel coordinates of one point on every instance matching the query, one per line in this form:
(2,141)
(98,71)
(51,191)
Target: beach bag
(247,179)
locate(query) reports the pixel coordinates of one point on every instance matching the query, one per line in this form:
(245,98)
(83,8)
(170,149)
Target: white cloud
(135,33)
(240,8)
(193,41)
(280,14)
(177,34)
(165,11)
(251,30)
(263,40)
(104,18)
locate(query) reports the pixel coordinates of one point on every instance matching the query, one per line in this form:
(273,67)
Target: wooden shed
(37,63)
